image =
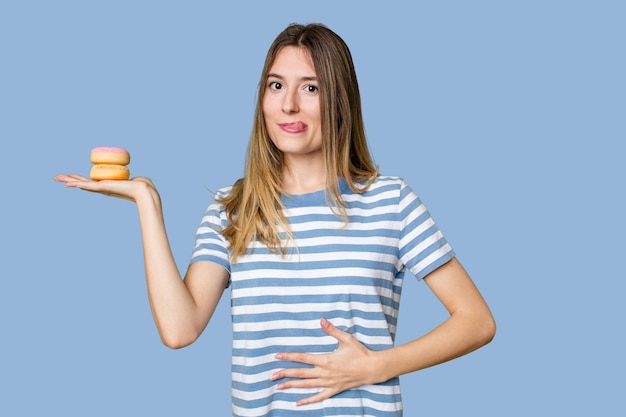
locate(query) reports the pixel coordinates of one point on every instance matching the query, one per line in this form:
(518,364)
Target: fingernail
(279,356)
(324,322)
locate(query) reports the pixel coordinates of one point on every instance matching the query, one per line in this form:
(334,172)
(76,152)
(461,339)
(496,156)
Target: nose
(290,102)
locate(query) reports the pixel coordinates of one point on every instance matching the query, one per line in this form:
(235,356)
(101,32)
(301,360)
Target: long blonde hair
(253,206)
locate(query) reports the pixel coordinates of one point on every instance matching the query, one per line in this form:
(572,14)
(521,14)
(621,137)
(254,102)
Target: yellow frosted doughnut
(109,172)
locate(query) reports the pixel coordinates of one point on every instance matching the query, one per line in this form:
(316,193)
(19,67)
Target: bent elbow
(174,344)
(487,330)
(177,341)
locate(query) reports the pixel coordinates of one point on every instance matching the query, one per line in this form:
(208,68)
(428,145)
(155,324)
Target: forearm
(458,335)
(172,304)
(352,364)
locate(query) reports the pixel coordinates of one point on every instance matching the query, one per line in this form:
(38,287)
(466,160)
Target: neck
(303,175)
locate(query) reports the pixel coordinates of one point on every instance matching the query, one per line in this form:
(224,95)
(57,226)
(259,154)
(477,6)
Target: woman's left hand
(349,366)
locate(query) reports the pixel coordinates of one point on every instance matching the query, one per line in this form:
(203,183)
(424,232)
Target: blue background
(507,118)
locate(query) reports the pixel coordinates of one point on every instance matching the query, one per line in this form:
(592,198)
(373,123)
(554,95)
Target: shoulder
(384,184)
(385,190)
(216,208)
(223,192)
(389,181)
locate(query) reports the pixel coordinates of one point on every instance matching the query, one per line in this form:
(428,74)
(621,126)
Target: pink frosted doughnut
(109,155)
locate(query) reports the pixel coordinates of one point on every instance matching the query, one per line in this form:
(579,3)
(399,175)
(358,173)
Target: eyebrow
(280,77)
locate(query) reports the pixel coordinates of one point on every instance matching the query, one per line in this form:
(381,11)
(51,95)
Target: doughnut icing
(109,155)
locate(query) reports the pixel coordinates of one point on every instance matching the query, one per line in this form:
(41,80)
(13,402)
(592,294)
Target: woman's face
(291,105)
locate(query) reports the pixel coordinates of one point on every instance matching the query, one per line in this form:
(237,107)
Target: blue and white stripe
(350,273)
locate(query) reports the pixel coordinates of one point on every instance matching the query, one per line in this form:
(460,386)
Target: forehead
(293,59)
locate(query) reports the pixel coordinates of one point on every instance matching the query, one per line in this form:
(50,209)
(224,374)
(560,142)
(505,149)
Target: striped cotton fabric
(350,273)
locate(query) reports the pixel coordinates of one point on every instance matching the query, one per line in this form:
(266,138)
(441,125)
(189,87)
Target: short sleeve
(423,247)
(210,244)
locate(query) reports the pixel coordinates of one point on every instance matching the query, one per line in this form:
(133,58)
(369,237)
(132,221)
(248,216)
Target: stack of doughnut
(109,163)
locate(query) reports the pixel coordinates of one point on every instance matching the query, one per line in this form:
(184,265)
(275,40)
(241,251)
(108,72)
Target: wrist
(146,196)
(380,369)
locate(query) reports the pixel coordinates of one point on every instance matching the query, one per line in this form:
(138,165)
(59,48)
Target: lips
(295,127)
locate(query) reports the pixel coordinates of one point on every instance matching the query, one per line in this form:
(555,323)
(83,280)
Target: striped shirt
(349,273)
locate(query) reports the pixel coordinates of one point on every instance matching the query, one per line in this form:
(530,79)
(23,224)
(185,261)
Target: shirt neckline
(312,198)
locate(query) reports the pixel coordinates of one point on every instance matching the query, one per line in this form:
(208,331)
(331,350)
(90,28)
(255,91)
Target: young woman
(314,244)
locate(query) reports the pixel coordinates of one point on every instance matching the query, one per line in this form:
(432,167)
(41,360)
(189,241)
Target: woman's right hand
(127,190)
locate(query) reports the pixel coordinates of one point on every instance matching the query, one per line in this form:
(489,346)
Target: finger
(299,357)
(69,178)
(320,396)
(61,177)
(79,177)
(301,373)
(331,330)
(300,383)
